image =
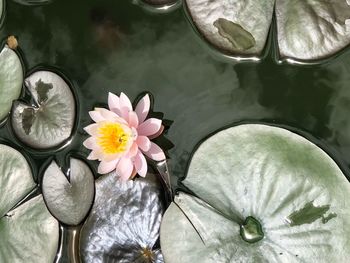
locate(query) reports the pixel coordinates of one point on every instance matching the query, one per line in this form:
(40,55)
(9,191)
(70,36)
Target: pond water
(115,46)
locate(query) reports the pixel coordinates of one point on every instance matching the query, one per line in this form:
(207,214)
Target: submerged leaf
(123,225)
(271,175)
(69,200)
(50,122)
(11,80)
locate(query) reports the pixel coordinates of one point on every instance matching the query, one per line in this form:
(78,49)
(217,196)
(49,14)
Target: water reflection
(197,92)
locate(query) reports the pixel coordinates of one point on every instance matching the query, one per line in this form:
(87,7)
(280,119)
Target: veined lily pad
(263,194)
(69,200)
(124,223)
(50,121)
(11,79)
(307,30)
(28,232)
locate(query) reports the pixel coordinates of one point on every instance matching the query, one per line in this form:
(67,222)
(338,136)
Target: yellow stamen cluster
(113,138)
(148,254)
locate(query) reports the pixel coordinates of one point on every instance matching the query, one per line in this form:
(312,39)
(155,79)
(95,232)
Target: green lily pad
(306,30)
(263,194)
(124,223)
(11,79)
(28,232)
(69,200)
(49,123)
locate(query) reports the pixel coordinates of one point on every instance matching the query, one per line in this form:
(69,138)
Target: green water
(115,46)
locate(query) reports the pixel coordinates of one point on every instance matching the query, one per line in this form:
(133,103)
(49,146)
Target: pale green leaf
(69,200)
(11,79)
(293,188)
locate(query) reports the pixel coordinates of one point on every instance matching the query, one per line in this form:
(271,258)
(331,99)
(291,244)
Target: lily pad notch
(69,196)
(49,120)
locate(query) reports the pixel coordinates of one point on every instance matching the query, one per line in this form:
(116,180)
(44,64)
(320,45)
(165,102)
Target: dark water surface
(116,46)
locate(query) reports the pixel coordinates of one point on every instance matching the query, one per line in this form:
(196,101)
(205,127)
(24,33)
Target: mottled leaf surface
(69,200)
(124,223)
(49,122)
(312,29)
(11,78)
(272,175)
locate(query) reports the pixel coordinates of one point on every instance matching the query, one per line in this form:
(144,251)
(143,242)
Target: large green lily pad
(11,79)
(307,30)
(257,173)
(28,232)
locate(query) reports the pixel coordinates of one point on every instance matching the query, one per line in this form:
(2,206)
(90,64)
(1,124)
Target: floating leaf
(50,121)
(11,80)
(306,30)
(249,18)
(123,225)
(312,29)
(263,194)
(28,232)
(69,200)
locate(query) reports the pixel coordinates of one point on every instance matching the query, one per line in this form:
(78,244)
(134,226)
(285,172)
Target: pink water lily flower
(121,136)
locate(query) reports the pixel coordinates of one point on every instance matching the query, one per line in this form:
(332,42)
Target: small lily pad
(11,80)
(50,121)
(69,200)
(28,232)
(263,194)
(124,223)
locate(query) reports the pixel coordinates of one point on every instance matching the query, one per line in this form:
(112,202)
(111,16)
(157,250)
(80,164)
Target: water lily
(121,137)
